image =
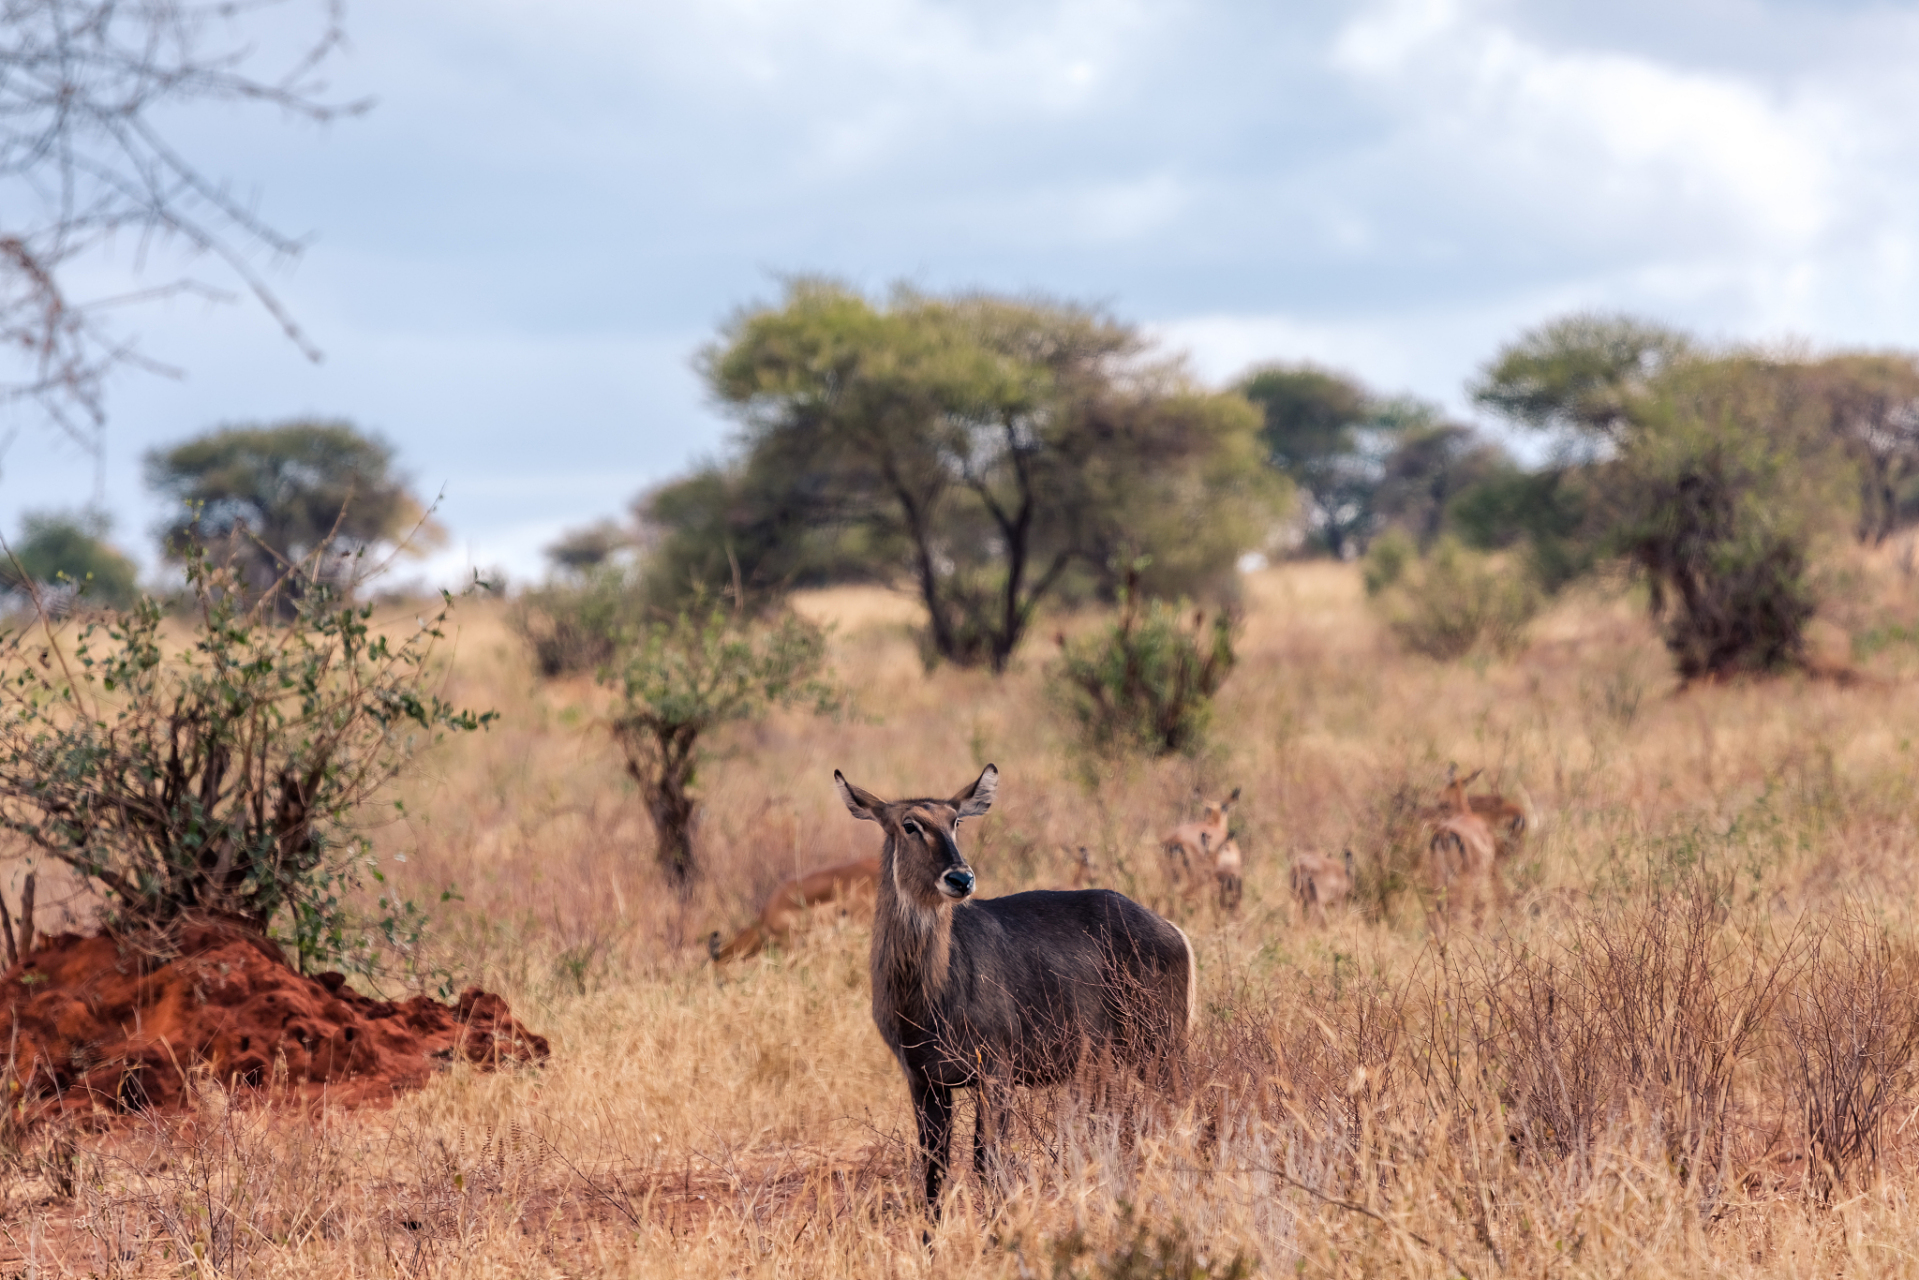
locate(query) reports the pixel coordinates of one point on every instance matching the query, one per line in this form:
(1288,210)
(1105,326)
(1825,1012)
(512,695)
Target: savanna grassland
(1685,1046)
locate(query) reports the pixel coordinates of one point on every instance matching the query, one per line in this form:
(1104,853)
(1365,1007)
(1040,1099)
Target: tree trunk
(664,786)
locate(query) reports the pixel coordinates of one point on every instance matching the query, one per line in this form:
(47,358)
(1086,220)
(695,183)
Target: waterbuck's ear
(978,798)
(861,804)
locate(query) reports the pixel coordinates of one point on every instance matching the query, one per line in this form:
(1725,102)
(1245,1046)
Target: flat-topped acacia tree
(983,448)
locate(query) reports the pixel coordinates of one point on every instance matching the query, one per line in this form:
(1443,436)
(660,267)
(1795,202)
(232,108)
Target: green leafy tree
(996,445)
(1726,480)
(682,679)
(589,547)
(58,552)
(767,523)
(262,499)
(1580,374)
(1545,511)
(1871,405)
(1327,433)
(1432,464)
(225,775)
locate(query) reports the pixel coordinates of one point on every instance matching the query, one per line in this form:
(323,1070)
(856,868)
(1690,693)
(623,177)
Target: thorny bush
(224,771)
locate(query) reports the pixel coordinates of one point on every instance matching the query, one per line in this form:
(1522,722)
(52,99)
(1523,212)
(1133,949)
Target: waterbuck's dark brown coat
(989,994)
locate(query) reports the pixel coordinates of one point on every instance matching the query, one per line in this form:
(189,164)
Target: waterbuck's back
(1038,977)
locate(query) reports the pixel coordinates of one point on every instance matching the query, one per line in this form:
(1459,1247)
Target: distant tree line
(253,500)
(996,454)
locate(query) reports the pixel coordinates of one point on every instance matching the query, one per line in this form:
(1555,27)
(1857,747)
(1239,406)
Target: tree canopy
(1320,428)
(69,552)
(262,498)
(1579,373)
(987,448)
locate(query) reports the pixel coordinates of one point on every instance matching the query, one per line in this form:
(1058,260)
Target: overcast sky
(516,253)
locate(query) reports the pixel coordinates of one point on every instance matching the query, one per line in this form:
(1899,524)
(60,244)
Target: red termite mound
(92,1023)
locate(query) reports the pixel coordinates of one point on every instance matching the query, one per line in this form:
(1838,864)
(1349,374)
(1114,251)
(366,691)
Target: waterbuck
(993,993)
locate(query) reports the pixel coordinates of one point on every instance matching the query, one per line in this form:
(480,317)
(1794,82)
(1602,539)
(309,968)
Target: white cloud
(1610,143)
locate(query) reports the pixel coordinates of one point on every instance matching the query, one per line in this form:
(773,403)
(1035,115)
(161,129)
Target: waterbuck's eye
(912,827)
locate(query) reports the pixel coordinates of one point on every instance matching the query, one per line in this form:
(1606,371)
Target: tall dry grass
(1687,1045)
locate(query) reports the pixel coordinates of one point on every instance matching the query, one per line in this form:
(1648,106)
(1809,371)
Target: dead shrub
(1454,601)
(1655,1009)
(1849,1028)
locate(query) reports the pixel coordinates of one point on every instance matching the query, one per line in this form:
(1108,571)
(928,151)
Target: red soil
(89,1023)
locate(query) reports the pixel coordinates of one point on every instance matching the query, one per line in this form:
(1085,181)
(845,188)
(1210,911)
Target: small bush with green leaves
(575,626)
(1454,601)
(226,774)
(678,680)
(1146,682)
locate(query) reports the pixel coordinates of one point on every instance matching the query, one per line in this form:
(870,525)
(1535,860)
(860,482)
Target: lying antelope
(1202,845)
(1462,857)
(850,884)
(1320,882)
(989,994)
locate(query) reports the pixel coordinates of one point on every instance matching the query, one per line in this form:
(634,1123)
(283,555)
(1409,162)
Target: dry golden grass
(1360,1101)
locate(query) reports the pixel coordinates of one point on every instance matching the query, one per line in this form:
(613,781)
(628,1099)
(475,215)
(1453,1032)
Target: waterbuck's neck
(912,942)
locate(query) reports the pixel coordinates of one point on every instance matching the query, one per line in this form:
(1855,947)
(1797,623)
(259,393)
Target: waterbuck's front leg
(933,1109)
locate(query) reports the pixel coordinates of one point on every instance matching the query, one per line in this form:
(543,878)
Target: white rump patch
(1192,979)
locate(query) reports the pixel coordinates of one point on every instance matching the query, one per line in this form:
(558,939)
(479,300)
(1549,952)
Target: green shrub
(225,775)
(1386,560)
(1146,682)
(1455,601)
(574,627)
(678,680)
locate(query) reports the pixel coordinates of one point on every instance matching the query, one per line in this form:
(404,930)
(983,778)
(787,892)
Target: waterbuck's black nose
(957,883)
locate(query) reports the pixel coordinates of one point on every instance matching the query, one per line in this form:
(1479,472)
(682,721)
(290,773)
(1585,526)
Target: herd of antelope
(993,994)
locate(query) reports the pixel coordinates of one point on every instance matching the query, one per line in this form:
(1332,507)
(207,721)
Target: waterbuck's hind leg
(992,1110)
(933,1109)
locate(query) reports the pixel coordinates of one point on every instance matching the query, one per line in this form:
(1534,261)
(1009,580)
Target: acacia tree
(1719,492)
(1320,429)
(91,94)
(67,554)
(996,443)
(1871,403)
(262,499)
(1581,374)
(1711,473)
